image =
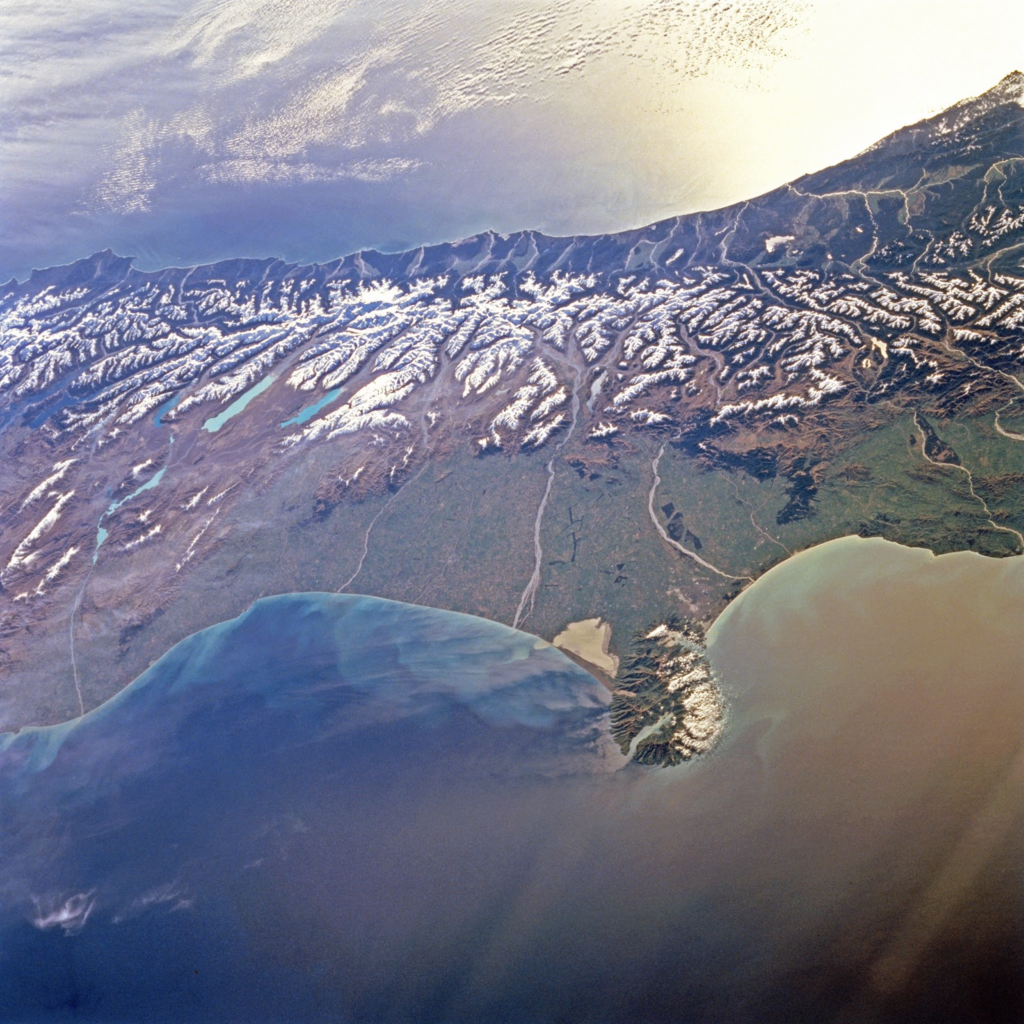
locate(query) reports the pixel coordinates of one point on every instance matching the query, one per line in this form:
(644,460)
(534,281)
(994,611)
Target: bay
(338,807)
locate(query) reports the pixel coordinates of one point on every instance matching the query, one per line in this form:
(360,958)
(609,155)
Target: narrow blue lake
(306,414)
(214,423)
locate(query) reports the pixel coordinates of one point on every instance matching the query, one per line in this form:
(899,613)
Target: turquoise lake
(214,423)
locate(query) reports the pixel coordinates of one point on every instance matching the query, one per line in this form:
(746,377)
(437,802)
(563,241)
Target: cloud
(67,913)
(281,171)
(127,186)
(327,84)
(153,127)
(172,895)
(242,39)
(322,113)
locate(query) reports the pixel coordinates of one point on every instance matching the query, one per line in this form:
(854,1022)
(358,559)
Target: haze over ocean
(346,808)
(186,131)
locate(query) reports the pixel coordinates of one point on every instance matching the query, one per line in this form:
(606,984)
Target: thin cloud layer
(188,130)
(292,91)
(125,120)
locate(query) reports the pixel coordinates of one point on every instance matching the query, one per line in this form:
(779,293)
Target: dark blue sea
(315,811)
(343,809)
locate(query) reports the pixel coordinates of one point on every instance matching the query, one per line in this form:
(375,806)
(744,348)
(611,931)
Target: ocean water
(284,815)
(338,808)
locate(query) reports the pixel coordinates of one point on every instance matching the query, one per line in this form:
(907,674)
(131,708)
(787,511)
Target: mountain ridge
(533,429)
(978,113)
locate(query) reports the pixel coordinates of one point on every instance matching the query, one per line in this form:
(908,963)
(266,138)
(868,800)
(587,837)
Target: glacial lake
(305,414)
(214,423)
(101,531)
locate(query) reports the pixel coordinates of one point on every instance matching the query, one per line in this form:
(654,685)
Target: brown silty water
(877,717)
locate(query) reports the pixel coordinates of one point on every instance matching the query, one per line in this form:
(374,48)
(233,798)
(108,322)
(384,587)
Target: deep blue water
(337,808)
(231,836)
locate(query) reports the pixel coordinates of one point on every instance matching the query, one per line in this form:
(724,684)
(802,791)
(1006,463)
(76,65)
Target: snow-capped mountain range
(893,278)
